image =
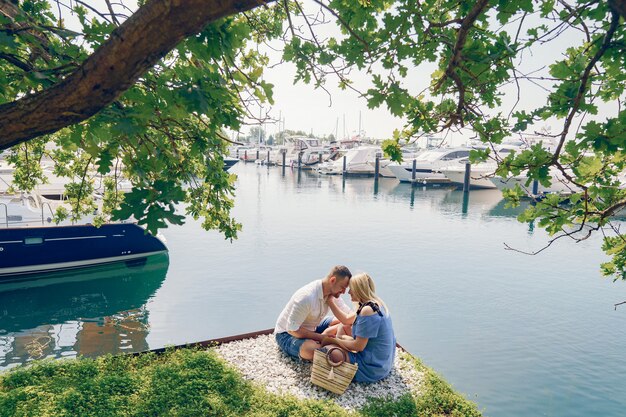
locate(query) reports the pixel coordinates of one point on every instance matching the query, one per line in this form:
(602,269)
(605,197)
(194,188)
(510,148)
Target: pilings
(466,179)
(284,153)
(377,167)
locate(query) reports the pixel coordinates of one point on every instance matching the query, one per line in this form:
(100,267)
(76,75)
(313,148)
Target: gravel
(260,360)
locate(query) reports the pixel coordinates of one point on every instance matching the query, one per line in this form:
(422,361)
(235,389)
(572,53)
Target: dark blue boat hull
(33,250)
(229,162)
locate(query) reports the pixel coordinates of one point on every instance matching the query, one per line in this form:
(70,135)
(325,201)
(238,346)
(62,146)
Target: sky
(312,110)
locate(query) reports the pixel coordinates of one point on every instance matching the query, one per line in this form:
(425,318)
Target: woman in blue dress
(372,344)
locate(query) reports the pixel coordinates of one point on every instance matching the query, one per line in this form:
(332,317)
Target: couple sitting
(366,335)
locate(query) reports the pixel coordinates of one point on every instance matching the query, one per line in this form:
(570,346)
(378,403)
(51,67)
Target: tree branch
(618,6)
(583,83)
(455,58)
(132,49)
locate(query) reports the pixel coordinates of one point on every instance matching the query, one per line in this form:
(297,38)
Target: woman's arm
(303,333)
(343,317)
(355,345)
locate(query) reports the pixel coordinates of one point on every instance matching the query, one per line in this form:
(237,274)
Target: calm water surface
(520,335)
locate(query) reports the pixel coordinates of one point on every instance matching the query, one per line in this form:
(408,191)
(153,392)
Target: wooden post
(268,158)
(284,152)
(414,171)
(320,158)
(466,180)
(377,167)
(344,166)
(245,155)
(257,154)
(465,203)
(299,159)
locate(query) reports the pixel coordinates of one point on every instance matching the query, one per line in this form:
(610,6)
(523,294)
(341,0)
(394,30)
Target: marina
(176,176)
(493,323)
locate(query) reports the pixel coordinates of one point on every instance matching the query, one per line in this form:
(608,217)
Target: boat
(428,165)
(558,185)
(229,162)
(360,162)
(480,174)
(250,153)
(33,250)
(53,187)
(30,244)
(298,148)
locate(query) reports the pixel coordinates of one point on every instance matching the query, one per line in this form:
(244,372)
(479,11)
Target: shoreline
(242,377)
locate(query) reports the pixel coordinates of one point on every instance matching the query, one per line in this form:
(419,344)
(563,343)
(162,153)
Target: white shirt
(306,308)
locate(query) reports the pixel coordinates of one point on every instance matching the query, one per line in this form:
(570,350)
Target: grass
(187,382)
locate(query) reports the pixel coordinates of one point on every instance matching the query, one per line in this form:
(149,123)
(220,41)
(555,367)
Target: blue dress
(376,360)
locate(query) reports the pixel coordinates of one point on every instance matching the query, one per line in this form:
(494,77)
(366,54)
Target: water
(520,335)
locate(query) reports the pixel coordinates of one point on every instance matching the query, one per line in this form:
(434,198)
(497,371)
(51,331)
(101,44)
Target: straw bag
(335,377)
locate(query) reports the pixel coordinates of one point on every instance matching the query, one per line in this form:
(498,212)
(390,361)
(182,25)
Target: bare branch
(583,83)
(112,13)
(347,27)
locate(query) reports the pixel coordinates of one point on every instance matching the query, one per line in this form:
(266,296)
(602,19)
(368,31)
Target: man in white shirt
(303,324)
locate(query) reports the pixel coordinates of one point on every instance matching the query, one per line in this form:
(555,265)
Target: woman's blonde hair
(363,288)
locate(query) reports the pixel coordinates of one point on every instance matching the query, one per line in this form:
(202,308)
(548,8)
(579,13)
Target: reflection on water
(501,209)
(494,323)
(447,199)
(85,312)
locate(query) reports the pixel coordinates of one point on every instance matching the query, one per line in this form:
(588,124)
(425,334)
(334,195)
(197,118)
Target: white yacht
(54,188)
(360,161)
(428,165)
(480,174)
(558,185)
(307,148)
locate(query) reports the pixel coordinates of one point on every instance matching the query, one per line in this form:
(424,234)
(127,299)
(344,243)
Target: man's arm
(303,333)
(297,316)
(346,318)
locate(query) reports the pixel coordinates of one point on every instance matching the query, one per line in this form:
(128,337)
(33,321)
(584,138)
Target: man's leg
(308,348)
(327,327)
(289,344)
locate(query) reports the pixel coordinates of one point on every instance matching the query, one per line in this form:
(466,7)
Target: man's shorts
(291,345)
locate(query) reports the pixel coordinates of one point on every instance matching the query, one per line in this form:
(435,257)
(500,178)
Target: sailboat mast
(260,126)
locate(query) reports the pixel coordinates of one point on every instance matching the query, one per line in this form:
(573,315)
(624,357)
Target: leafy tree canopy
(480,57)
(164,132)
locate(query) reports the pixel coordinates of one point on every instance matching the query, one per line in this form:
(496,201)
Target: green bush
(187,382)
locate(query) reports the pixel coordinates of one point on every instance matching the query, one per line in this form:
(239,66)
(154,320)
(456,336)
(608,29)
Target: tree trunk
(132,49)
(619,6)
